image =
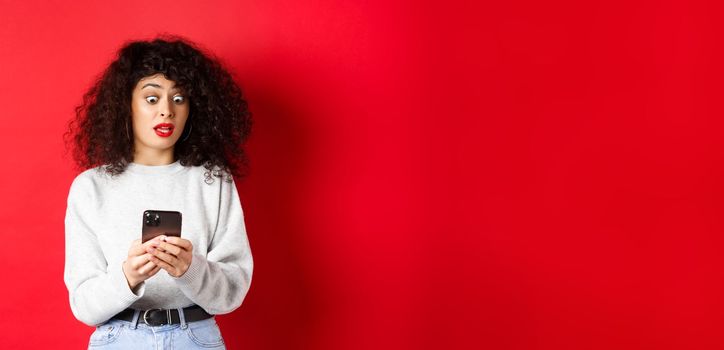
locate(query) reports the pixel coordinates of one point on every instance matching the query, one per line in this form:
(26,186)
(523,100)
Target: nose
(166,109)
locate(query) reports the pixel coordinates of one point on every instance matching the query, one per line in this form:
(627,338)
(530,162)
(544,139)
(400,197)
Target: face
(159,112)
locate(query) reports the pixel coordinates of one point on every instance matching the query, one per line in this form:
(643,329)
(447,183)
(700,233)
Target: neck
(154,157)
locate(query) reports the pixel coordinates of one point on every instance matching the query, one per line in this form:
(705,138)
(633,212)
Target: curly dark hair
(218,110)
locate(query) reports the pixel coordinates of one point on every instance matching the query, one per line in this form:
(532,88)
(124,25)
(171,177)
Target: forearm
(217,287)
(96,299)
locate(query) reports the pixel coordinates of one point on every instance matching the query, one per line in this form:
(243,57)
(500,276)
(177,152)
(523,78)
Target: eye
(178,99)
(151,99)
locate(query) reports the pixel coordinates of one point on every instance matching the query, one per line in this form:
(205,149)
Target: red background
(508,175)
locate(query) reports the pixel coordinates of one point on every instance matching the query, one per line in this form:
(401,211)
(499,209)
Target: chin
(160,145)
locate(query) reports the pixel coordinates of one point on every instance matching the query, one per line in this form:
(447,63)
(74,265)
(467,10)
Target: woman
(161,129)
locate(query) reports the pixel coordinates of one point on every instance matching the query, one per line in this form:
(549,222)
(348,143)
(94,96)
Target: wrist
(132,282)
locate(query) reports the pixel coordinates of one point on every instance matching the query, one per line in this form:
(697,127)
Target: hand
(172,254)
(138,267)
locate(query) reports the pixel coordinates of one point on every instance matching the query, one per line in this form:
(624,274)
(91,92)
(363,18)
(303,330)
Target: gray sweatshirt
(103,218)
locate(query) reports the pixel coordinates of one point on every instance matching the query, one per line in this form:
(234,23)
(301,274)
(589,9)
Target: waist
(160,317)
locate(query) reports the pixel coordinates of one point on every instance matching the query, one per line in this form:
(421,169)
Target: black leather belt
(160,317)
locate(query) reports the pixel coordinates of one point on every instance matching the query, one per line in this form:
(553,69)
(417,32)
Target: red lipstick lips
(164,129)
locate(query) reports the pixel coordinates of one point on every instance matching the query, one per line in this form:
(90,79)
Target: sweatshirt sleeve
(218,280)
(97,290)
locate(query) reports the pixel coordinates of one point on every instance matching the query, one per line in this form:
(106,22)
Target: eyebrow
(158,86)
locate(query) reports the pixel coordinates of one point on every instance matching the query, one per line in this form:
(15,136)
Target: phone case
(160,222)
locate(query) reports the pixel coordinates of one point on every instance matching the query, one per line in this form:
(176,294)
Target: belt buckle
(145,317)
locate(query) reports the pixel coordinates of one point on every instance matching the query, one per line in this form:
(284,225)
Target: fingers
(139,261)
(147,268)
(138,248)
(162,264)
(163,256)
(139,268)
(154,271)
(168,247)
(180,242)
(161,252)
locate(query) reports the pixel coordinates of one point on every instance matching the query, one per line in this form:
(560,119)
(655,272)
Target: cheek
(140,114)
(183,112)
(182,116)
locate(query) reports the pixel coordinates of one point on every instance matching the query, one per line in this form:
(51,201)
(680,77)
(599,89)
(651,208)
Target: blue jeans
(119,334)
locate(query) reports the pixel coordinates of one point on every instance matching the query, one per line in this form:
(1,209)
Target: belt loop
(134,321)
(182,318)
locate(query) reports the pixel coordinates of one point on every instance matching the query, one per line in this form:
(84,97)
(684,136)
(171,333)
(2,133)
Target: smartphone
(160,222)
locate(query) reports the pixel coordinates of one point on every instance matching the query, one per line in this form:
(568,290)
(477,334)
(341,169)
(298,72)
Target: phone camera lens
(152,220)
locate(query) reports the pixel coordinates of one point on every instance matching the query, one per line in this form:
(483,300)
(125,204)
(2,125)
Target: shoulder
(88,182)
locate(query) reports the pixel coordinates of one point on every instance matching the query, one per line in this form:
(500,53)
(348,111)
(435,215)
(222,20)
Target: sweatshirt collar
(155,169)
